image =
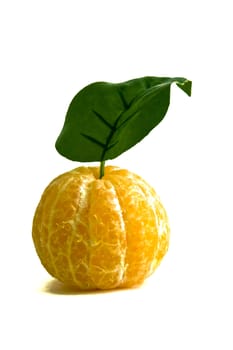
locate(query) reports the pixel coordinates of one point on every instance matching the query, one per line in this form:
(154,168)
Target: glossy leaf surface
(106,119)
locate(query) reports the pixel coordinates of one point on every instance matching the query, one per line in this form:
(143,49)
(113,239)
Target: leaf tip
(186,86)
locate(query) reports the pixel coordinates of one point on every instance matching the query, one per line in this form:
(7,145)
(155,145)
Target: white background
(49,51)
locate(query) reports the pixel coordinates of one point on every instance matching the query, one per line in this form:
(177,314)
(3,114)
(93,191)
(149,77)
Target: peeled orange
(100,233)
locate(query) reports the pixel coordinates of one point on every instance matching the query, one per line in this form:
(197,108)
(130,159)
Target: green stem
(102,163)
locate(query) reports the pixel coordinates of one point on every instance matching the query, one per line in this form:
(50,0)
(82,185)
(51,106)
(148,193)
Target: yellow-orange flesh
(100,233)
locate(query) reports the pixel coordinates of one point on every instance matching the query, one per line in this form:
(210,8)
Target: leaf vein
(125,103)
(94,140)
(103,120)
(127,119)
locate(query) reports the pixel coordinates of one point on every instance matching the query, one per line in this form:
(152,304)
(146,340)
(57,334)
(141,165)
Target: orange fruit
(100,233)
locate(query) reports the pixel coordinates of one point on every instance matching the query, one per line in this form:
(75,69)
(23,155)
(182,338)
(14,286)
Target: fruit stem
(102,163)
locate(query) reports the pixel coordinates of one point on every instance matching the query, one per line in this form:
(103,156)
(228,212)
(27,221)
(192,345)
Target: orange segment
(140,224)
(107,235)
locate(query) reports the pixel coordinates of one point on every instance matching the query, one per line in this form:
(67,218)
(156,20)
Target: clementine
(103,233)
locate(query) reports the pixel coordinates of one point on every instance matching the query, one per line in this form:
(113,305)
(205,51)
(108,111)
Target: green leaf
(105,119)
